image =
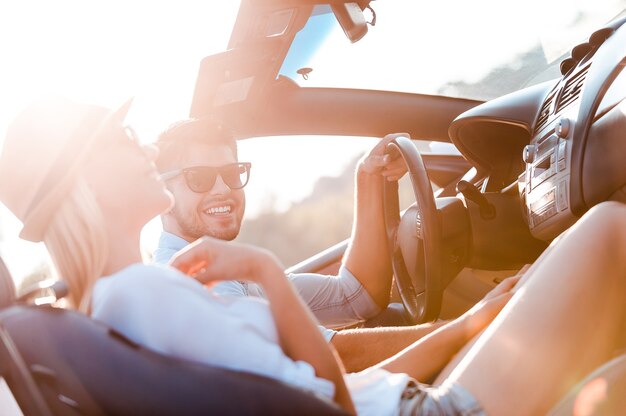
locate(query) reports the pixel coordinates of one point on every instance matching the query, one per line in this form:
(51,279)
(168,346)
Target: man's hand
(376,162)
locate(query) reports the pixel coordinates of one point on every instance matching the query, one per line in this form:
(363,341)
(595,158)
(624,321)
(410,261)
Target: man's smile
(219,210)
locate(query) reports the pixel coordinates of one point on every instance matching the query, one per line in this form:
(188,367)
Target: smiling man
(208,183)
(198,160)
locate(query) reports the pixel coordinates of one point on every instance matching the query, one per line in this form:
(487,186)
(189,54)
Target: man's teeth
(218,210)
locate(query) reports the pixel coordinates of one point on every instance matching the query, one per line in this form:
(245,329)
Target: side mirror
(351,19)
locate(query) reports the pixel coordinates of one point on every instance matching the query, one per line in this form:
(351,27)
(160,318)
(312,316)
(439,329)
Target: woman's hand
(209,260)
(376,162)
(480,315)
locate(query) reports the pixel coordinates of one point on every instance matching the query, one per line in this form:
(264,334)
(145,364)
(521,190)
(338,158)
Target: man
(198,161)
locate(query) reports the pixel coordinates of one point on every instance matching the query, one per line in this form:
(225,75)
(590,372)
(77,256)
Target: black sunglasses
(202,178)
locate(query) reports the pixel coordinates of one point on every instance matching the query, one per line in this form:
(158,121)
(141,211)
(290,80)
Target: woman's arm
(299,336)
(209,260)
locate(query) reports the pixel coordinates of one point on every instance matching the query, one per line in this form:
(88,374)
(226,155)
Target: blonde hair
(77,241)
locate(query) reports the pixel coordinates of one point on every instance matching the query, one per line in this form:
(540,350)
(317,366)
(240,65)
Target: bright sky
(107,51)
(104,52)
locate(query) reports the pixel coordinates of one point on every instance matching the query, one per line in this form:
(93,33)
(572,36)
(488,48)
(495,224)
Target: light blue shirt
(336,301)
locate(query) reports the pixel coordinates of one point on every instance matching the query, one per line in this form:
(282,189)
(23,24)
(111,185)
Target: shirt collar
(172,241)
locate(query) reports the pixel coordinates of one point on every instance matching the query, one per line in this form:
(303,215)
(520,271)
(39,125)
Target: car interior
(531,163)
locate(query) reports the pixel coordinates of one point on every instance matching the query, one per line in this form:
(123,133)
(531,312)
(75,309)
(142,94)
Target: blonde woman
(80,182)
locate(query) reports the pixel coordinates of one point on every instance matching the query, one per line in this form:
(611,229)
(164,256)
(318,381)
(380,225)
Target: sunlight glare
(103,53)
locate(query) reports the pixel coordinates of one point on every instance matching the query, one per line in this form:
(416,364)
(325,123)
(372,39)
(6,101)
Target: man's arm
(336,301)
(367,257)
(365,347)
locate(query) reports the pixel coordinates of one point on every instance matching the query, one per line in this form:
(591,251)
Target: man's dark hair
(174,141)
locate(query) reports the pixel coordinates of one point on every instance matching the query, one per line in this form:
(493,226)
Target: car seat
(61,362)
(603,392)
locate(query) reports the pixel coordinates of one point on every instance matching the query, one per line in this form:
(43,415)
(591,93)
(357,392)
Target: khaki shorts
(445,400)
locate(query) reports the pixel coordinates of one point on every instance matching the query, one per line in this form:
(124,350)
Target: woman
(80,182)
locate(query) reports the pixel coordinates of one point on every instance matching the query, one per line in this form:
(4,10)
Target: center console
(544,185)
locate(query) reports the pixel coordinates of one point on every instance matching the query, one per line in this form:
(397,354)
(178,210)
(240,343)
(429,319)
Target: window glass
(467,49)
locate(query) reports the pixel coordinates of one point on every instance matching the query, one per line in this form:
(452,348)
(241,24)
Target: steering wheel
(414,240)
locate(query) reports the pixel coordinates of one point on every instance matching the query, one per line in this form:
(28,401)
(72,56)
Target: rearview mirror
(351,19)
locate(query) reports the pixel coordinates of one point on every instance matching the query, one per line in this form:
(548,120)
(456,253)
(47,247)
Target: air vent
(545,111)
(572,88)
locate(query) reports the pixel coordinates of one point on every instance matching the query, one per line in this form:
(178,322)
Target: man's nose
(219,187)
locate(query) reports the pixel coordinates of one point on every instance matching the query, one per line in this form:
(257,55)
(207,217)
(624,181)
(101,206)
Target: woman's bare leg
(563,322)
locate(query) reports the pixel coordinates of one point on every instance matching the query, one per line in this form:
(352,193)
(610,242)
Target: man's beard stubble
(195,228)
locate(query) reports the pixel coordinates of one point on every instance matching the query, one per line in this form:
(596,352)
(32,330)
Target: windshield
(476,50)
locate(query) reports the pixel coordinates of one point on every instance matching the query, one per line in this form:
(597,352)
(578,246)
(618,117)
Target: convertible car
(515,116)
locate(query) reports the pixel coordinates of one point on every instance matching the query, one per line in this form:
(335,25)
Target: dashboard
(563,142)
